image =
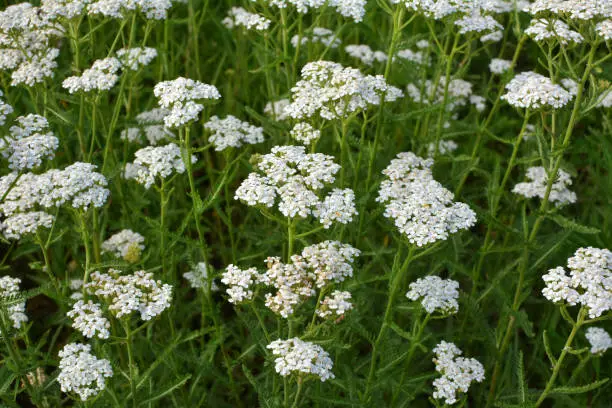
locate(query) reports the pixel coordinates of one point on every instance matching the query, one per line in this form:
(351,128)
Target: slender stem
(128,344)
(290,238)
(396,279)
(300,383)
(566,349)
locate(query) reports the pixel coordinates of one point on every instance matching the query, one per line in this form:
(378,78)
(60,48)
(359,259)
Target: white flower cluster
(588,284)
(88,319)
(28,143)
(337,304)
(471,16)
(81,372)
(276,109)
(9,290)
(5,110)
(457,372)
(417,57)
(136,58)
(479,102)
(318,35)
(102,76)
(20,224)
(365,54)
(536,187)
(305,133)
(542,29)
(239,283)
(125,244)
(604,29)
(152,9)
(573,9)
(605,99)
(78,185)
(232,132)
(444,147)
(198,277)
(499,66)
(600,340)
(239,17)
(422,208)
(296,177)
(151,124)
(152,162)
(532,91)
(436,294)
(354,9)
(331,91)
(67,9)
(294,356)
(318,266)
(27,35)
(459,92)
(180,96)
(125,294)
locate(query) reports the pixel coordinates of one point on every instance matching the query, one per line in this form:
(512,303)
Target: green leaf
(168,390)
(547,348)
(579,389)
(572,225)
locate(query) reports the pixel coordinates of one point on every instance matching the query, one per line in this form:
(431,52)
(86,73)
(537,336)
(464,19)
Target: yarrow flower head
(78,185)
(365,54)
(536,187)
(331,91)
(156,162)
(151,9)
(21,224)
(305,133)
(88,319)
(5,110)
(276,110)
(573,9)
(151,126)
(335,305)
(232,132)
(423,210)
(296,178)
(436,294)
(136,58)
(102,76)
(81,372)
(599,339)
(125,294)
(589,283)
(28,143)
(239,283)
(604,29)
(444,147)
(457,372)
(457,93)
(542,30)
(499,66)
(317,35)
(9,292)
(239,17)
(198,277)
(533,91)
(125,244)
(181,97)
(295,356)
(354,9)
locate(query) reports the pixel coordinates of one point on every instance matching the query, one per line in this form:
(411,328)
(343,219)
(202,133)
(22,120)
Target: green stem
(128,344)
(396,279)
(566,348)
(298,393)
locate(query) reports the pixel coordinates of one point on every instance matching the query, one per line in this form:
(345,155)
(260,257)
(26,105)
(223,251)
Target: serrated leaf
(579,389)
(572,225)
(549,353)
